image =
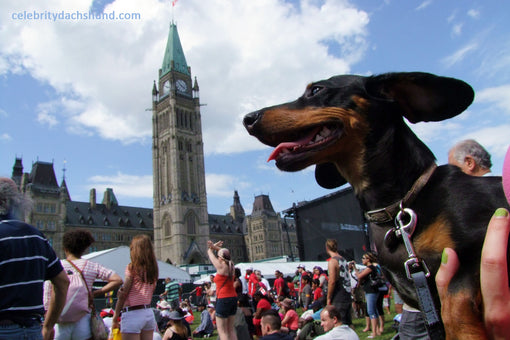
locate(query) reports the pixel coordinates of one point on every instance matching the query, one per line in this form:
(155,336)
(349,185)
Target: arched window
(191,223)
(167,226)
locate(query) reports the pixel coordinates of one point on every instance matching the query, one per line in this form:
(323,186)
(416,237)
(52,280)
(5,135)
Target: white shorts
(79,330)
(137,320)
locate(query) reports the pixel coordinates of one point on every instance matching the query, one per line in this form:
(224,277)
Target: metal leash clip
(405,230)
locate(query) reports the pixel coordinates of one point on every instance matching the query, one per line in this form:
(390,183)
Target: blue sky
(76,91)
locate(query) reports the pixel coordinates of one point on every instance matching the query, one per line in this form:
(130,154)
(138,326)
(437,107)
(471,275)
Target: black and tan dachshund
(352,128)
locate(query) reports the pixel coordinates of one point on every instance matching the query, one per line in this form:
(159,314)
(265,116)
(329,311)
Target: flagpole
(173,5)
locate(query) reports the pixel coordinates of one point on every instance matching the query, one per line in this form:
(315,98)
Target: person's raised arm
(210,252)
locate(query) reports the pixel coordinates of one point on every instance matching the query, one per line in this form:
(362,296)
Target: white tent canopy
(118,259)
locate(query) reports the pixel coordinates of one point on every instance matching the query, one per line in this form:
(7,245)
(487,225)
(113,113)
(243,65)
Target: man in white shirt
(332,324)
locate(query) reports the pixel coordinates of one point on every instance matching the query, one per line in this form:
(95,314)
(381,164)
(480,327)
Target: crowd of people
(233,304)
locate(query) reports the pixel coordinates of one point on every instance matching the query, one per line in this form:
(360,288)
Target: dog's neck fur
(392,173)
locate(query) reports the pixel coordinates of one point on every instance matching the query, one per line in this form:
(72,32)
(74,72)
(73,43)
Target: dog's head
(336,121)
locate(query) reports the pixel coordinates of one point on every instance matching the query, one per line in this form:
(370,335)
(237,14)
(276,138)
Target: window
(191,223)
(51,225)
(167,229)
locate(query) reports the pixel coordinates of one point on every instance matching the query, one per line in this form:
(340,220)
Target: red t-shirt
(198,291)
(278,285)
(252,284)
(317,293)
(264,305)
(292,322)
(292,290)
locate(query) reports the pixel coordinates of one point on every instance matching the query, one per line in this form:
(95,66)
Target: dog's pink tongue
(506,175)
(291,145)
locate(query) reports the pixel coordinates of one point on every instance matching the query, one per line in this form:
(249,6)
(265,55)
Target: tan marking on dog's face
(434,238)
(347,153)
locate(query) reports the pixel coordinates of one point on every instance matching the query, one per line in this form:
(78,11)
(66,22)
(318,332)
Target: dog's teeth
(325,132)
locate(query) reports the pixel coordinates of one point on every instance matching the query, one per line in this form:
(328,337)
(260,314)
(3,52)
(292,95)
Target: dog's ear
(422,96)
(328,176)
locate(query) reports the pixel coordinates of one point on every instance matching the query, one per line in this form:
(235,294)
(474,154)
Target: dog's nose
(250,120)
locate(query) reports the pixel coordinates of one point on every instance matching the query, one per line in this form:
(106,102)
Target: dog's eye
(315,89)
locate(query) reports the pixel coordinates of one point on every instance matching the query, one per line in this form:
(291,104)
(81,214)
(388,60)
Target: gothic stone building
(113,225)
(179,222)
(54,212)
(182,224)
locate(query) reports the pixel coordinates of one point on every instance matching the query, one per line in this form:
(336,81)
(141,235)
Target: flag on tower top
(174,2)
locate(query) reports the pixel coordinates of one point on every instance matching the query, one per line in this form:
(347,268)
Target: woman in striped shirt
(134,298)
(74,322)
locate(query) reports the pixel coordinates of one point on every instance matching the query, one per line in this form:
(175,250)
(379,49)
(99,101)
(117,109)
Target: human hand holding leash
(493,277)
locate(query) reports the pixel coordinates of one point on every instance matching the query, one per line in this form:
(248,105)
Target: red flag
(174,2)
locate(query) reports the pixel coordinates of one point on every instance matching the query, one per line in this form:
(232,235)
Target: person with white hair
(471,158)
(26,261)
(226,295)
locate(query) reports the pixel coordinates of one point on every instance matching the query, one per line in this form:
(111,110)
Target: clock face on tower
(166,87)
(181,86)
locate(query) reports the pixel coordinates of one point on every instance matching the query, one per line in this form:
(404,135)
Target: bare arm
(57,303)
(221,267)
(258,313)
(114,282)
(214,260)
(364,273)
(122,295)
(286,318)
(333,274)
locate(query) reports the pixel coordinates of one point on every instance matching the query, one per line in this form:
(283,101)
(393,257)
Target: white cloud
(124,184)
(266,52)
(495,139)
(433,131)
(457,29)
(452,16)
(221,185)
(5,137)
(46,114)
(459,55)
(498,96)
(473,13)
(424,5)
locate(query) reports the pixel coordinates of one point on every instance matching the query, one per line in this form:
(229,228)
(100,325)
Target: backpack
(377,280)
(77,301)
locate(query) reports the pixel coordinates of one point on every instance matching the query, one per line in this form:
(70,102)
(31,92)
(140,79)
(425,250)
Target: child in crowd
(317,290)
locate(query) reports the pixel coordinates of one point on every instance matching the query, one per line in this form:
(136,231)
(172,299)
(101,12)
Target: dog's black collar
(387,214)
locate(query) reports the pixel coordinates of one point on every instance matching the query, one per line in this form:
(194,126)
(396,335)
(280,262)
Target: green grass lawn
(388,333)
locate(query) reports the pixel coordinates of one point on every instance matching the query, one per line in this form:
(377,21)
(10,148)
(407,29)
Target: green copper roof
(173,52)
